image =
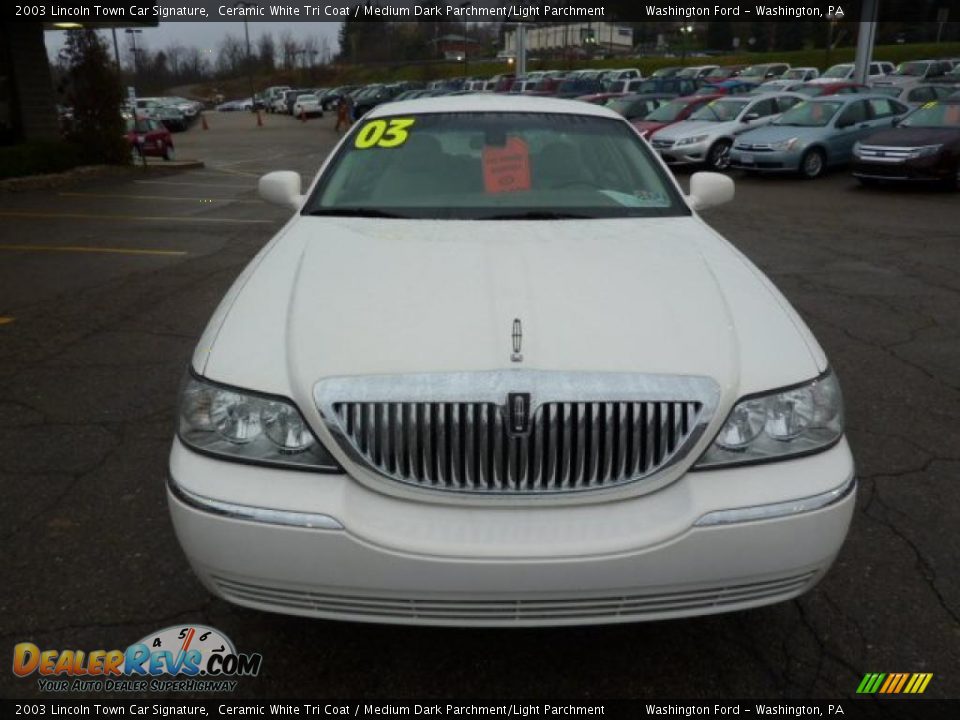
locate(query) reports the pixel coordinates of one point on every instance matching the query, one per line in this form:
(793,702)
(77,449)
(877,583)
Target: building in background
(455,47)
(580,38)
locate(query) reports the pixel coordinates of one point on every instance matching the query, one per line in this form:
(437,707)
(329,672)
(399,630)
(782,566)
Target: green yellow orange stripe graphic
(894,683)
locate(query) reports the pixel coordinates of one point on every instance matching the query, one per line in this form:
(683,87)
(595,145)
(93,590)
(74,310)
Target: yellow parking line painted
(196,184)
(134,218)
(156,197)
(242,173)
(73,248)
(6,320)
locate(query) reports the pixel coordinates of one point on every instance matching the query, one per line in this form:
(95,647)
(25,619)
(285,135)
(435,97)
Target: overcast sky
(207,35)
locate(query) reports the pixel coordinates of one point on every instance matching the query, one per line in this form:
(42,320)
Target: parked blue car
(815,134)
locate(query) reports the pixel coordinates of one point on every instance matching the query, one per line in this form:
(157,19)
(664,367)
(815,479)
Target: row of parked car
(767,117)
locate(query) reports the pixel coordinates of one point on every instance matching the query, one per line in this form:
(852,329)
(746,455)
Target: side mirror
(841,124)
(750,117)
(709,189)
(281,188)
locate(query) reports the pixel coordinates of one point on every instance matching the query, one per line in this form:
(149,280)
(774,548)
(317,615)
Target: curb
(90,172)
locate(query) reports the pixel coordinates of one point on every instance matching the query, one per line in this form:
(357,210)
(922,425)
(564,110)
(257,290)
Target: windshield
(665,72)
(911,69)
(838,71)
(794,74)
(934,115)
(810,114)
(755,70)
(667,113)
(718,73)
(493,166)
(720,110)
(614,86)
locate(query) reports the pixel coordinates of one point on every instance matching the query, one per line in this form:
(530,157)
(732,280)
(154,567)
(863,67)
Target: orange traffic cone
(259,119)
(203,121)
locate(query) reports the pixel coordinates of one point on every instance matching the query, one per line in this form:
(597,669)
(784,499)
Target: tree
(267,52)
(288,49)
(231,56)
(93,90)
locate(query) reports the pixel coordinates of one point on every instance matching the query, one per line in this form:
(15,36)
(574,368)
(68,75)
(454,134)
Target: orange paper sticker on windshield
(507,168)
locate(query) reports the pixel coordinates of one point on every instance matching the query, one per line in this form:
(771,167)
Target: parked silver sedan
(815,134)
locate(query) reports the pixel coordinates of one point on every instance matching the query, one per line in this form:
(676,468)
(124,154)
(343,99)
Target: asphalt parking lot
(106,285)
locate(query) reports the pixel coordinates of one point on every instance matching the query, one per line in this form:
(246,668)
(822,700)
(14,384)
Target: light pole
(132,32)
(246,32)
(685,31)
(466,50)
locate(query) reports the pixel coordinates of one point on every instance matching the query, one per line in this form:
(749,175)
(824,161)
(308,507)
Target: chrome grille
(662,143)
(877,153)
(469,444)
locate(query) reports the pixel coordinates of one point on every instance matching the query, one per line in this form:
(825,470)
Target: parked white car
(706,137)
(496,370)
(697,71)
(914,72)
(307,105)
(844,72)
(791,78)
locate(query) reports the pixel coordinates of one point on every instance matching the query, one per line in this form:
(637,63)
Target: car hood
(347,296)
(775,133)
(648,125)
(914,137)
(898,80)
(686,128)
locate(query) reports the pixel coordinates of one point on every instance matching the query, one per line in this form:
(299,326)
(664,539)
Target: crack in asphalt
(926,566)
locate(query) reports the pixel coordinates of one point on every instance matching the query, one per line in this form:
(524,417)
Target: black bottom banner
(206,708)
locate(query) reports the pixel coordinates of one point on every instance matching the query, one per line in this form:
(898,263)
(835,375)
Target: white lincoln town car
(496,370)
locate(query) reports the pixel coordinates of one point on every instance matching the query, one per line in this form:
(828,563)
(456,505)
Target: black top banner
(533,11)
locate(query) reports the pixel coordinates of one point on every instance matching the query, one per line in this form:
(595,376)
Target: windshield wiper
(356,212)
(538,215)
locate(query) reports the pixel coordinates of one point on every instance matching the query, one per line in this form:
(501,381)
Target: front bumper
(694,154)
(339,550)
(934,168)
(767,160)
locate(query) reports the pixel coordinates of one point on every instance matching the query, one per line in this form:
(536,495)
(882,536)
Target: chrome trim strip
(777,510)
(268,516)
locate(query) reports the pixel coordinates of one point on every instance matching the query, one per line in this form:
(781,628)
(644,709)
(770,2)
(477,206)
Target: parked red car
(672,112)
(149,138)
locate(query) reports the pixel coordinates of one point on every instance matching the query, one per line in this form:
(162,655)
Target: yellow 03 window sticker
(383,133)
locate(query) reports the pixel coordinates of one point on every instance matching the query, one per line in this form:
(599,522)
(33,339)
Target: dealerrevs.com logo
(191,658)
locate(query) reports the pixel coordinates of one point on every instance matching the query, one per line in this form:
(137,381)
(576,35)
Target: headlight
(774,426)
(692,140)
(785,144)
(925,151)
(239,425)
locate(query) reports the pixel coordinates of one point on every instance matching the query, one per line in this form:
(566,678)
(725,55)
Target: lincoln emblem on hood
(517,336)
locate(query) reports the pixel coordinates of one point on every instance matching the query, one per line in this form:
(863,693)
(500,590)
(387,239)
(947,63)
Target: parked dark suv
(925,145)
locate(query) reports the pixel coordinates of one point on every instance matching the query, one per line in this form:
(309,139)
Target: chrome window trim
(778,510)
(268,516)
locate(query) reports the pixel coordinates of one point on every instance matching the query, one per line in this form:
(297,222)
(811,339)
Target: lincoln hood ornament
(517,337)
